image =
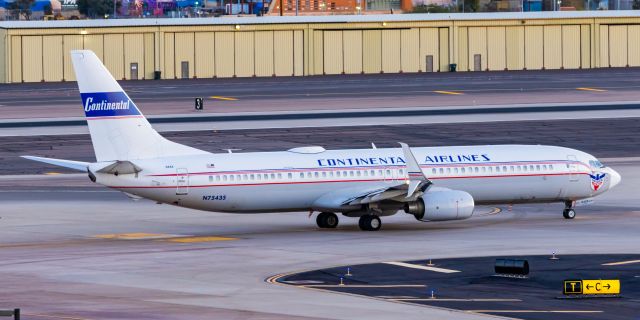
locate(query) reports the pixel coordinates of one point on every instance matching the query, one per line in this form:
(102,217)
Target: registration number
(216,197)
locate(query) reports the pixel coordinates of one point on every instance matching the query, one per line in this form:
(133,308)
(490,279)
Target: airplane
(430,183)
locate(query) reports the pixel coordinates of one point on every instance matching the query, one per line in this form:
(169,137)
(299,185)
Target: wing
(414,185)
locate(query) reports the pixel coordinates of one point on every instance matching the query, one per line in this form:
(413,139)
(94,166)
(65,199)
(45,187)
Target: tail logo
(108,104)
(597,179)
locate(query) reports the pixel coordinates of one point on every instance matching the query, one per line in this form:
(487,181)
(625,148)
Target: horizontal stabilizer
(75,165)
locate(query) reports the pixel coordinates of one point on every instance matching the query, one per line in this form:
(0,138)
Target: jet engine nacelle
(441,206)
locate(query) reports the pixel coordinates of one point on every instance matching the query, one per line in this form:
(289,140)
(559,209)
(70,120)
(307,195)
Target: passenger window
(244,177)
(524,168)
(351,173)
(373,173)
(217,178)
(290,175)
(531,168)
(441,171)
(224,178)
(477,169)
(309,175)
(497,169)
(544,167)
(550,167)
(231,177)
(301,175)
(210,178)
(538,167)
(366,173)
(455,170)
(331,174)
(388,173)
(358,173)
(338,173)
(380,173)
(253,177)
(324,174)
(259,176)
(316,174)
(433,171)
(266,176)
(448,170)
(462,170)
(512,169)
(273,176)
(504,168)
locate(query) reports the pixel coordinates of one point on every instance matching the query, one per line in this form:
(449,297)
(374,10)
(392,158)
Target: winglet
(417,179)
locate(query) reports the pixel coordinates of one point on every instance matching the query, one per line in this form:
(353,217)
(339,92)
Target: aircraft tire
(569,213)
(327,220)
(370,222)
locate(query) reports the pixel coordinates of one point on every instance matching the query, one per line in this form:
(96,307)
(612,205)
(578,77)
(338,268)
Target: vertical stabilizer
(118,129)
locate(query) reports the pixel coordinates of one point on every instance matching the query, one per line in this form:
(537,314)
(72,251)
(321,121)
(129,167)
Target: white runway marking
(416,266)
(621,263)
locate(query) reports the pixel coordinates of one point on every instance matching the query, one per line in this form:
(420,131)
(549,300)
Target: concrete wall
(296,49)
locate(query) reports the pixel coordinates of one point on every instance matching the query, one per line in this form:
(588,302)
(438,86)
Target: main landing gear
(370,222)
(327,220)
(569,212)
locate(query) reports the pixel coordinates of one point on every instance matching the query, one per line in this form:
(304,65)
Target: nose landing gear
(569,212)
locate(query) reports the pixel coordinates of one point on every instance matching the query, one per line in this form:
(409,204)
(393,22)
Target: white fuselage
(298,180)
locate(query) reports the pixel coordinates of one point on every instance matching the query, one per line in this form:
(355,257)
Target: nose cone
(615,178)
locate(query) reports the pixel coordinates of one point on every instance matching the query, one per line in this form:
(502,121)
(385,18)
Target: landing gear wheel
(327,220)
(370,222)
(569,213)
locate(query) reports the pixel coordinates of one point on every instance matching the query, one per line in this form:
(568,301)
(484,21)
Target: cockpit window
(596,164)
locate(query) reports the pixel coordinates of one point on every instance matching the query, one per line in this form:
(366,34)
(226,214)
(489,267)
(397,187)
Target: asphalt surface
(73,252)
(475,288)
(604,138)
(51,100)
(360,114)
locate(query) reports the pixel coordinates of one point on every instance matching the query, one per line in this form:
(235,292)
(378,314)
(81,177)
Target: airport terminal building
(38,51)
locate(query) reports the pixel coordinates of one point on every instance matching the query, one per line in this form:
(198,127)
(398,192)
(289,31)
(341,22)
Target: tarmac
(472,285)
(72,250)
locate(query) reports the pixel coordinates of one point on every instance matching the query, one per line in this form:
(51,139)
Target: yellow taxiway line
(134,236)
(448,92)
(591,89)
(223,98)
(200,239)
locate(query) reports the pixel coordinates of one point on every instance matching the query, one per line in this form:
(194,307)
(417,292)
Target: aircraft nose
(615,178)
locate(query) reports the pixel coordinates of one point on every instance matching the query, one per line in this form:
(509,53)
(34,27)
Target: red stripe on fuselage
(336,181)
